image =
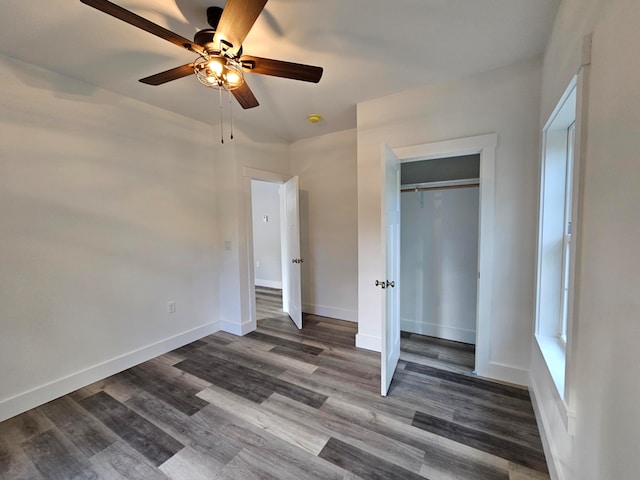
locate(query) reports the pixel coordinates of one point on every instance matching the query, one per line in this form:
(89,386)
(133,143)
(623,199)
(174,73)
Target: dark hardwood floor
(435,352)
(282,404)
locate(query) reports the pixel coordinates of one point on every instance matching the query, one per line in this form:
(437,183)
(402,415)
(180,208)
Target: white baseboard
(239,329)
(544,429)
(368,342)
(504,373)
(436,330)
(268,283)
(25,401)
(331,312)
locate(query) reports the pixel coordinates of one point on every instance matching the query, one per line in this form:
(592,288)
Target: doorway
(485,146)
(263,185)
(267,248)
(439,261)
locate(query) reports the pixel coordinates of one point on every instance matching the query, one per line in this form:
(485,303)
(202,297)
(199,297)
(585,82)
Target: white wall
(107,212)
(603,373)
(439,263)
(267,257)
(504,101)
(326,166)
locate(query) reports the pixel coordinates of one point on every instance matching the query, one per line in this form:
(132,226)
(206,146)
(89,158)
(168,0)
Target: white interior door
(390,281)
(292,294)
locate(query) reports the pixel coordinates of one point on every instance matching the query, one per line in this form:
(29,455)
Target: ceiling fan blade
(278,68)
(169,75)
(238,16)
(245,96)
(140,22)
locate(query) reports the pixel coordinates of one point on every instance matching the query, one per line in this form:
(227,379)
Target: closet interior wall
(439,247)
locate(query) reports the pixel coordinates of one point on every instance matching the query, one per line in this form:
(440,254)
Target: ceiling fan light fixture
(232,75)
(217,66)
(233,78)
(221,73)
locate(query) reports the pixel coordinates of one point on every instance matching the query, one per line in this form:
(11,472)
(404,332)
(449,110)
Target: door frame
(485,146)
(250,174)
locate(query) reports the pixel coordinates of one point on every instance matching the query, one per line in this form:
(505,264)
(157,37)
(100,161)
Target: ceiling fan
(220,63)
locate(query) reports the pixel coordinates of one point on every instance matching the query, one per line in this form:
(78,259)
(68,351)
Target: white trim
(247,290)
(239,329)
(555,470)
(554,355)
(561,103)
(436,330)
(264,175)
(485,145)
(268,283)
(566,414)
(45,393)
(368,342)
(331,312)
(505,373)
(565,402)
(580,145)
(448,148)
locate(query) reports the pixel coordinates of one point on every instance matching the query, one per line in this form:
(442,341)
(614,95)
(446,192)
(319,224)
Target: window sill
(554,354)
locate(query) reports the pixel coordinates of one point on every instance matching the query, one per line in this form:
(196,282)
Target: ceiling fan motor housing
(204,38)
(213,16)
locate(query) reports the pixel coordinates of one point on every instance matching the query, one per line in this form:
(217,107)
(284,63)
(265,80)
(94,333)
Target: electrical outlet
(171,306)
(257,263)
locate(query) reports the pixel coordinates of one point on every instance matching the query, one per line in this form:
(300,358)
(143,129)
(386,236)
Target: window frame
(556,236)
(567,243)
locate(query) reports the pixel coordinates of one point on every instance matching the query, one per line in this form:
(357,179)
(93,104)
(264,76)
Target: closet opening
(439,233)
(267,248)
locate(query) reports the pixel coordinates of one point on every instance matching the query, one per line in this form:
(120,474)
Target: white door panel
(291,258)
(390,287)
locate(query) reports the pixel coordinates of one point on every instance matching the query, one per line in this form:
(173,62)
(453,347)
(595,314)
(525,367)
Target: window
(555,242)
(566,238)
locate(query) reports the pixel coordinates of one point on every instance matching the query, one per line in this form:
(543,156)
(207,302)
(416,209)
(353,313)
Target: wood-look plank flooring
(283,404)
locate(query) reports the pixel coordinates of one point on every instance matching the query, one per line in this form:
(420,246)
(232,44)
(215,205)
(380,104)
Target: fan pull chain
(221,118)
(230,112)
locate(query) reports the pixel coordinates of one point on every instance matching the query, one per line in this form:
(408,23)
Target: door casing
(248,285)
(485,146)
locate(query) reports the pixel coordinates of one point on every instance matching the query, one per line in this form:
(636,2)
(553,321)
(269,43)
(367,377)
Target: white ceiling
(368,48)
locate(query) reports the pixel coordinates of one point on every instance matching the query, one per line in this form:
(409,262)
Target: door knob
(381,284)
(391,284)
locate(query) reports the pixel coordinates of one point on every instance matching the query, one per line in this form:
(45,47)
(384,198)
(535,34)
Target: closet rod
(441,187)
